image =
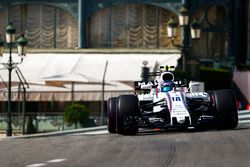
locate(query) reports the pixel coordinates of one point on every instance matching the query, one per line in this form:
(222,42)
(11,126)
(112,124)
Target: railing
(46,122)
(244,116)
(41,122)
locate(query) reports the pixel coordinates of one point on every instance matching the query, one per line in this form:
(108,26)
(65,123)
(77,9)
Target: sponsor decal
(146,84)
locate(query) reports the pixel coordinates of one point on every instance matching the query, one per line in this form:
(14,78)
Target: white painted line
(100,132)
(96,132)
(191,128)
(36,165)
(56,160)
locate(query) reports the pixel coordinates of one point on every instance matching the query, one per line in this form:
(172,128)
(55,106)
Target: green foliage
(219,70)
(179,74)
(243,67)
(216,78)
(76,113)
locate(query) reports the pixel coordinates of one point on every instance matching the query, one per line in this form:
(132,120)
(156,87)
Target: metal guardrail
(43,122)
(244,116)
(59,133)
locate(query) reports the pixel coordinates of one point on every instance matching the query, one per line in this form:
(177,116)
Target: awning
(81,93)
(122,68)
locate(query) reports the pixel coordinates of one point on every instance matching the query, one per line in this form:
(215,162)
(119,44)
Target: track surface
(228,148)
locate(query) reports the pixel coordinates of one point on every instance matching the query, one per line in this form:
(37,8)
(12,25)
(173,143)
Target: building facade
(129,24)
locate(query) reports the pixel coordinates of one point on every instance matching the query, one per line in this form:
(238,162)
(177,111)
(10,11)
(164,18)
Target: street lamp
(184,22)
(1,46)
(10,64)
(183,16)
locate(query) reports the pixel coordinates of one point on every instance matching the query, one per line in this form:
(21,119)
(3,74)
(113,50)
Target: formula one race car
(166,103)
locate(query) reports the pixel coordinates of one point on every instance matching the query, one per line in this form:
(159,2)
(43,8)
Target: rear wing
(148,85)
(145,85)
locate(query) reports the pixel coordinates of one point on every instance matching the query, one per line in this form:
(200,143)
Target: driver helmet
(167,86)
(167,83)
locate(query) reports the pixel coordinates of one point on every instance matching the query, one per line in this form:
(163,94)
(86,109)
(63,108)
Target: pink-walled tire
(225,108)
(112,104)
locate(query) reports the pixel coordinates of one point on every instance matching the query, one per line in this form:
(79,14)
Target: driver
(167,83)
(167,86)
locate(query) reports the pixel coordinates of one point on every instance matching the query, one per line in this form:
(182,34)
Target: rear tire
(112,104)
(225,107)
(127,114)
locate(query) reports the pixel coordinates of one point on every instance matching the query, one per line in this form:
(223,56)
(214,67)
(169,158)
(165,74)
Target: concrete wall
(248,39)
(242,80)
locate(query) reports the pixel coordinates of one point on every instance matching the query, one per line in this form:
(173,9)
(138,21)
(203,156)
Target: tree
(76,113)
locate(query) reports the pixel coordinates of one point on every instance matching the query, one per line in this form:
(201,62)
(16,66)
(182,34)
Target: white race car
(166,103)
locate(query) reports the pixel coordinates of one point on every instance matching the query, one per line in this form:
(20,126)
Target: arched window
(129,26)
(44,26)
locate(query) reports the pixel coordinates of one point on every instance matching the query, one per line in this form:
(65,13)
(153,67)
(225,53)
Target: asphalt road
(214,148)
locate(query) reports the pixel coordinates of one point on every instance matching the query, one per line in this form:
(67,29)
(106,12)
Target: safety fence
(45,122)
(244,116)
(42,123)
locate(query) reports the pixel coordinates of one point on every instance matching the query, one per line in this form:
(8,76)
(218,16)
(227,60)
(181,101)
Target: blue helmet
(167,86)
(167,83)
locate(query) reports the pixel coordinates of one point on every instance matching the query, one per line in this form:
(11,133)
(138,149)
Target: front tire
(127,114)
(225,107)
(112,114)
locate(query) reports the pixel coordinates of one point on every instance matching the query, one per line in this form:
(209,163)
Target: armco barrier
(244,116)
(59,133)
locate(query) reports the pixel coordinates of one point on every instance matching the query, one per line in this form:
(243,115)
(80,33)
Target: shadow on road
(146,132)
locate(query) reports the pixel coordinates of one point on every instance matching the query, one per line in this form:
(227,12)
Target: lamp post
(10,65)
(184,23)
